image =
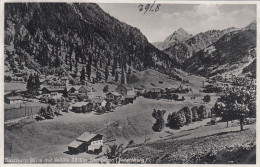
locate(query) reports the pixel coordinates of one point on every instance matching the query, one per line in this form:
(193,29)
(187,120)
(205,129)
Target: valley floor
(49,139)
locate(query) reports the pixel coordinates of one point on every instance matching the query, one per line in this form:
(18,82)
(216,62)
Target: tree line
(178,119)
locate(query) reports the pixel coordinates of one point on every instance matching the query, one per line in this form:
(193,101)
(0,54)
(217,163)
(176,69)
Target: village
(103,98)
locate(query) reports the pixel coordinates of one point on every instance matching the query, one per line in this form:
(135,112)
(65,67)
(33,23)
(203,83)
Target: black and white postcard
(149,82)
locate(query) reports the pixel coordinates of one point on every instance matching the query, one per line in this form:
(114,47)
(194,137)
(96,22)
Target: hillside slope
(234,48)
(42,36)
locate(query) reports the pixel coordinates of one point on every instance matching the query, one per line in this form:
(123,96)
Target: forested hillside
(70,37)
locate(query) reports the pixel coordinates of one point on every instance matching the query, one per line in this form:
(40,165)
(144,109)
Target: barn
(77,89)
(53,91)
(82,107)
(113,96)
(13,100)
(87,142)
(125,90)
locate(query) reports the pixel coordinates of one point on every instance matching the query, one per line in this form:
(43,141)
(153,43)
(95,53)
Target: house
(52,89)
(126,91)
(71,90)
(82,107)
(44,82)
(13,99)
(83,89)
(77,89)
(140,91)
(87,142)
(64,80)
(113,96)
(154,92)
(19,74)
(11,93)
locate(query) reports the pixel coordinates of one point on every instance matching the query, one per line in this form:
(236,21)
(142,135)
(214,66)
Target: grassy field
(207,144)
(14,111)
(9,86)
(51,137)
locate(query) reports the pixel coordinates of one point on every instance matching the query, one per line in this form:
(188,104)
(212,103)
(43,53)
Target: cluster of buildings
(122,94)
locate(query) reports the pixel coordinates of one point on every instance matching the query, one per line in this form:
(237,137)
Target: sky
(194,18)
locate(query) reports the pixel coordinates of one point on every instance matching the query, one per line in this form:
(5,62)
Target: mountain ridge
(233,48)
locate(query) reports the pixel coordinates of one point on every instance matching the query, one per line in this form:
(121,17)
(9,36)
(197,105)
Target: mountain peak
(181,30)
(179,35)
(251,25)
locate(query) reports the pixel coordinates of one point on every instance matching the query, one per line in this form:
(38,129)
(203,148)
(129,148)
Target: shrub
(42,111)
(182,116)
(176,120)
(81,97)
(8,78)
(252,108)
(52,101)
(71,82)
(188,114)
(105,89)
(101,110)
(58,100)
(194,111)
(206,99)
(160,82)
(158,115)
(202,112)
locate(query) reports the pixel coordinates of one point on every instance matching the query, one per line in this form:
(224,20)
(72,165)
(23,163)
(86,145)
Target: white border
(120,1)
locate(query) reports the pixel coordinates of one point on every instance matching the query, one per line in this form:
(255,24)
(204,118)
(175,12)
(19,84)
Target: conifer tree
(82,75)
(29,84)
(128,73)
(57,61)
(89,66)
(116,76)
(106,73)
(114,68)
(97,75)
(65,93)
(37,82)
(123,79)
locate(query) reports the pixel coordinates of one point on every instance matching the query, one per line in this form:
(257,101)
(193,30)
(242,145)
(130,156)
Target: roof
(76,87)
(15,98)
(87,136)
(83,86)
(54,89)
(127,87)
(130,96)
(75,144)
(64,78)
(80,104)
(114,93)
(154,89)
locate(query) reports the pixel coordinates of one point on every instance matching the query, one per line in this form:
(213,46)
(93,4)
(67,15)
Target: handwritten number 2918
(149,7)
